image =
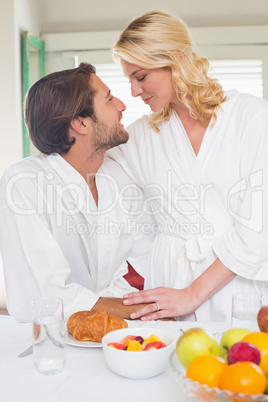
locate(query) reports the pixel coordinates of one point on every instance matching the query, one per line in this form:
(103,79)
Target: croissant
(93,325)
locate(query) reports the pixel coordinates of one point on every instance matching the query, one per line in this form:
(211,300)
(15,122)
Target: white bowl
(142,364)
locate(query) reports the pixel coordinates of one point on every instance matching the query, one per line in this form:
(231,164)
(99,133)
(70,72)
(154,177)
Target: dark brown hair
(55,100)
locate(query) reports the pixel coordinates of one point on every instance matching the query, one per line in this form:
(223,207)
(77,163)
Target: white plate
(69,340)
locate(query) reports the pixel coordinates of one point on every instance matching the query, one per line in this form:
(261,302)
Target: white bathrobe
(211,205)
(55,241)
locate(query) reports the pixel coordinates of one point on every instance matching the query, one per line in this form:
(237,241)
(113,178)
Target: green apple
(230,337)
(195,342)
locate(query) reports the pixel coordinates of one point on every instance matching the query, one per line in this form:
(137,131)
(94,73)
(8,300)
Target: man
(65,230)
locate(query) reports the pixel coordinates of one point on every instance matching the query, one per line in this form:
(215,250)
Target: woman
(201,159)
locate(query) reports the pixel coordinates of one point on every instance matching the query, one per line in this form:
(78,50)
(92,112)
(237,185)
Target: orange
(259,339)
(264,363)
(206,369)
(244,377)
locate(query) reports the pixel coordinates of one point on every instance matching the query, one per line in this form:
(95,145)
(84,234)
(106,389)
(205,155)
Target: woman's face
(155,87)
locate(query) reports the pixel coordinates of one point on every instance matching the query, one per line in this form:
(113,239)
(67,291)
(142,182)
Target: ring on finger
(157,305)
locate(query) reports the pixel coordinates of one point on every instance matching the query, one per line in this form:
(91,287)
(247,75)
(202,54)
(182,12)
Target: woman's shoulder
(141,129)
(141,124)
(245,103)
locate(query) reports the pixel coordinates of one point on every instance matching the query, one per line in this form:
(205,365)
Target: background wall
(105,15)
(16,16)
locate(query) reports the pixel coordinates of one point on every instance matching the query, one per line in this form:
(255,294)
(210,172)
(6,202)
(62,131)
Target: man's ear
(80,124)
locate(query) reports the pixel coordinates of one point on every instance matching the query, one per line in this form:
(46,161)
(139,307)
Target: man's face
(107,130)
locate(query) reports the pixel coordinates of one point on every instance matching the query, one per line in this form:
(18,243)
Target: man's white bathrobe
(211,205)
(55,241)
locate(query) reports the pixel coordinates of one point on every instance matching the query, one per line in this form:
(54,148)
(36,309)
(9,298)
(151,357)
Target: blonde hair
(161,40)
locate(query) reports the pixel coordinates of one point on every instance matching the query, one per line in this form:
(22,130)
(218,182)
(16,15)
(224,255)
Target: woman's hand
(166,302)
(161,303)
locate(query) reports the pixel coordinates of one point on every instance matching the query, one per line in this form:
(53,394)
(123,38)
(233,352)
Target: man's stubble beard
(106,138)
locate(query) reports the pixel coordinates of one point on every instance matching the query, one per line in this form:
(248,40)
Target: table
(85,378)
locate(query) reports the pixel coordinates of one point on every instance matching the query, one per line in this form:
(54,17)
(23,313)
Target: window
(244,75)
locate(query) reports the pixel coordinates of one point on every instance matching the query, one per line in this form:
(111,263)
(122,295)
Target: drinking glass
(48,335)
(245,307)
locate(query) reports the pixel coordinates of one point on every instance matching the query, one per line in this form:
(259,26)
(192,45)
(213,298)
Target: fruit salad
(135,343)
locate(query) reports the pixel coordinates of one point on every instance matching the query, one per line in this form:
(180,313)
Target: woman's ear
(181,54)
(80,124)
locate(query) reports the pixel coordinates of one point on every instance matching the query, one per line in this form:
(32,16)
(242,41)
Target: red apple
(262,319)
(244,352)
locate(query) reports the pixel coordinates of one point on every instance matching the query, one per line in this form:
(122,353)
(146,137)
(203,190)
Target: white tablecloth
(85,378)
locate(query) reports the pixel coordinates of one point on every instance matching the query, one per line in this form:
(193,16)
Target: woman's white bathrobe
(54,240)
(211,205)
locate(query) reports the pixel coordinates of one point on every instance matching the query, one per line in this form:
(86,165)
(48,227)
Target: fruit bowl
(198,392)
(138,364)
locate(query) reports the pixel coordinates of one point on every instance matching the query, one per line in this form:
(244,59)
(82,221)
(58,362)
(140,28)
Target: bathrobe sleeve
(244,248)
(34,263)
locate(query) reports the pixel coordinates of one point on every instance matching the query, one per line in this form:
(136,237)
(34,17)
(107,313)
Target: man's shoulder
(27,172)
(31,163)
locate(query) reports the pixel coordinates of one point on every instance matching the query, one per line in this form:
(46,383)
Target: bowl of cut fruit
(138,352)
